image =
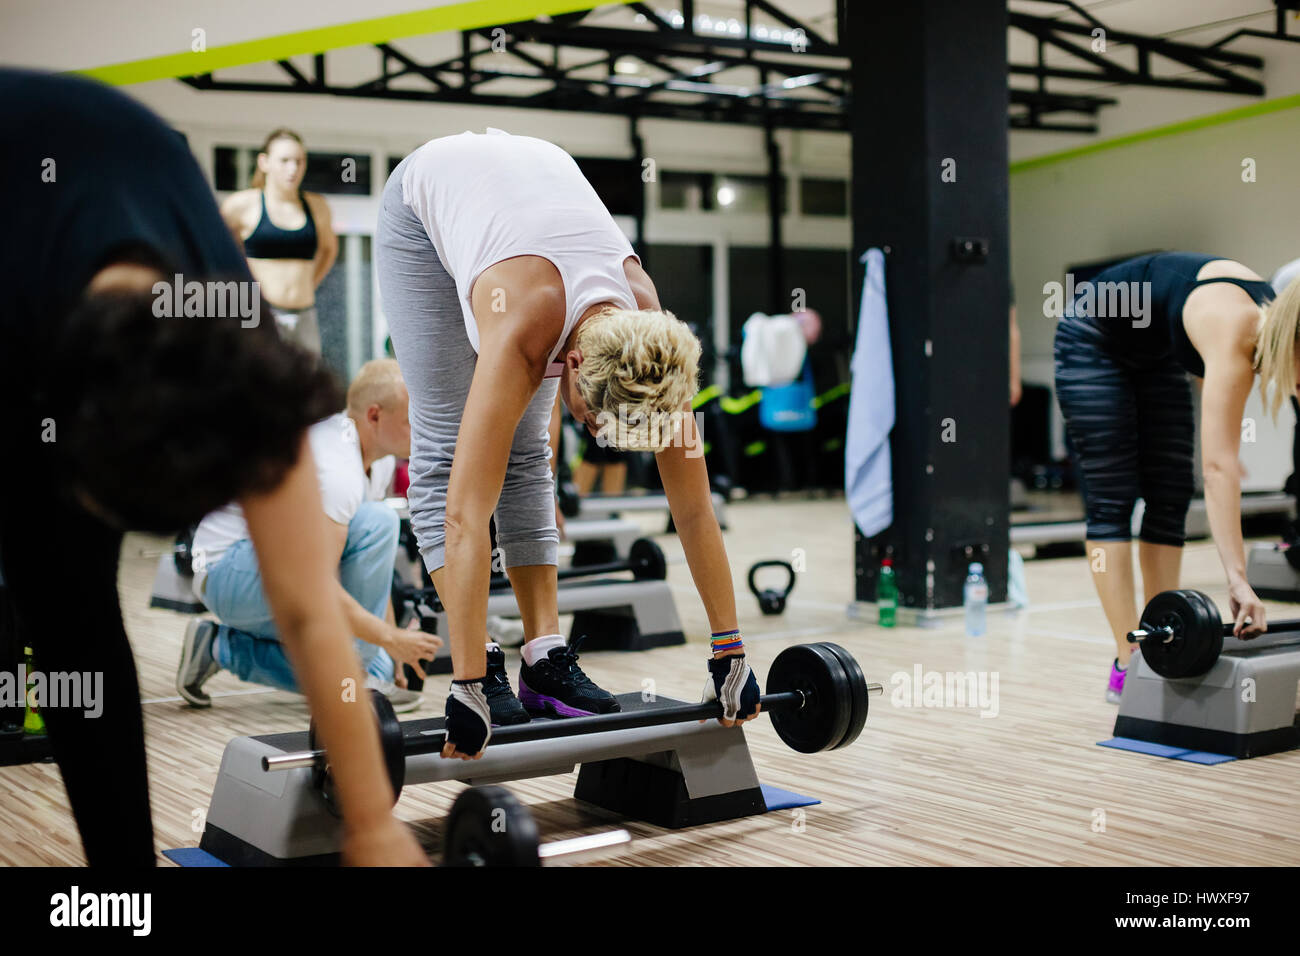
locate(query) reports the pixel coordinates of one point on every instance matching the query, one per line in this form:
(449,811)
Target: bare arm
(327,243)
(553,438)
(404,645)
(1228,381)
(686,483)
(233,210)
(299,580)
(513,348)
(1015,360)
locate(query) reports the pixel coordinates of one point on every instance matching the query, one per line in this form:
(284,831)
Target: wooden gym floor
(921,786)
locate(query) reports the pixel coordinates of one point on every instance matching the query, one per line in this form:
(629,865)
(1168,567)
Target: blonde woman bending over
(504,278)
(1124,349)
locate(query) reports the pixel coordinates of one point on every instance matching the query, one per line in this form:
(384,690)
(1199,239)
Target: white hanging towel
(772,351)
(868,481)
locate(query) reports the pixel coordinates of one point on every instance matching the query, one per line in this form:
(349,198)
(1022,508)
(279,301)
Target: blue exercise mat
(192,856)
(778,799)
(1164,750)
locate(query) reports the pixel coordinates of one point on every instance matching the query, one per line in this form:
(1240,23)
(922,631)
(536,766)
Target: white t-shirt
(344,485)
(380,479)
(483,198)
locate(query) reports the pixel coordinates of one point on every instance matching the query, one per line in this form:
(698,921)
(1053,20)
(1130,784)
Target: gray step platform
(602,506)
(172,591)
(674,775)
(619,532)
(1244,706)
(1269,574)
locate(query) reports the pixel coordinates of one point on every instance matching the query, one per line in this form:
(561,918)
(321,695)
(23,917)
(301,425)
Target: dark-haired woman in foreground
(122,419)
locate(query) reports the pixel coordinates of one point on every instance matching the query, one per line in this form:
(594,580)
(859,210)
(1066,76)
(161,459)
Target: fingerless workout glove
(469,718)
(732,683)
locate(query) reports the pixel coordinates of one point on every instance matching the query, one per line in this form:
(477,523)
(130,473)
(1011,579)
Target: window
(685,191)
(337,174)
(824,197)
(744,194)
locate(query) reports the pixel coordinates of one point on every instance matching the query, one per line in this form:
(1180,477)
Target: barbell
(817,697)
(488,826)
(1182,633)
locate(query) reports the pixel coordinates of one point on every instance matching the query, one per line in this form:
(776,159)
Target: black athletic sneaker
(504,705)
(557,687)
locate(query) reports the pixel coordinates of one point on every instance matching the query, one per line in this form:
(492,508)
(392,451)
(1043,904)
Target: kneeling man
(354,452)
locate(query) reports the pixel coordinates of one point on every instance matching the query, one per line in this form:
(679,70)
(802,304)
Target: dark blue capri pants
(1131,424)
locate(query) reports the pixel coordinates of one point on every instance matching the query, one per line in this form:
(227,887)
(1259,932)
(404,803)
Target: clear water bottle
(975,598)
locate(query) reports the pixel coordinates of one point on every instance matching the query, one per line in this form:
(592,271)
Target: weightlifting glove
(731,682)
(469,718)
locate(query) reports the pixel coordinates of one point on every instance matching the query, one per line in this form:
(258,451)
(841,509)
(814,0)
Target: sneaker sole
(542,705)
(193,698)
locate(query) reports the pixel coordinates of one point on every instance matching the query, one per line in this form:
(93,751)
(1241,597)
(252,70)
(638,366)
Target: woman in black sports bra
(1124,349)
(287,236)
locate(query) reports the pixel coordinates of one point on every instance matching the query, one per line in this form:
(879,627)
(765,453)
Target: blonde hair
(1275,347)
(638,369)
(378,382)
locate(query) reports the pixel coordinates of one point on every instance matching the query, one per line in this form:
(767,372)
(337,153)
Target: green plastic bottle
(33,722)
(887,593)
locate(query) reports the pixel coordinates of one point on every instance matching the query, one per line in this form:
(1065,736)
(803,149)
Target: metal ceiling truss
(799,84)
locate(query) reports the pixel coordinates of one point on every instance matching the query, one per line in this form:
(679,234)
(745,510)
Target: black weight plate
(183,552)
(1213,647)
(858,685)
(487,826)
(1191,623)
(1209,652)
(822,721)
(570,500)
(320,774)
(390,741)
(646,559)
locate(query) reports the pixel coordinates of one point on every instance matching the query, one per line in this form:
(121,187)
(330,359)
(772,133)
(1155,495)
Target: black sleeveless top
(1155,288)
(269,241)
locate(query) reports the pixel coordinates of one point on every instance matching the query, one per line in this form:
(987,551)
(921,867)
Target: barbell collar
(1144,634)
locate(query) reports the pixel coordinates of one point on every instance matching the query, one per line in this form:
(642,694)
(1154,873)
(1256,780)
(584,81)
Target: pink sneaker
(1116,687)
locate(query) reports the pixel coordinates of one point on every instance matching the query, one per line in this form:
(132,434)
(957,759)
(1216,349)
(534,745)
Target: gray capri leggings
(437,361)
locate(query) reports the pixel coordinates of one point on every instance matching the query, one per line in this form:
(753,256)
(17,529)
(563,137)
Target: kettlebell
(771,600)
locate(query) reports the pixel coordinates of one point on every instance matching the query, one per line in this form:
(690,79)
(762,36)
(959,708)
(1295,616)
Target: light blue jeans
(247,642)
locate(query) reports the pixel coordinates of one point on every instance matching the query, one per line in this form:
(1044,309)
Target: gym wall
(1182,190)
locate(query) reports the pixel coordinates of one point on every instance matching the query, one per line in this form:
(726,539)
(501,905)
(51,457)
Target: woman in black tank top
(1125,346)
(287,236)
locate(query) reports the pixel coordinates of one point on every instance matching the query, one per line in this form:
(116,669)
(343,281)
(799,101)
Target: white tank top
(487,197)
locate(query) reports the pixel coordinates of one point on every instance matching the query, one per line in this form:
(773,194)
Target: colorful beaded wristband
(727,641)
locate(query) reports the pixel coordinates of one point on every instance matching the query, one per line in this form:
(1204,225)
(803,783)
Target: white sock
(493,646)
(539,647)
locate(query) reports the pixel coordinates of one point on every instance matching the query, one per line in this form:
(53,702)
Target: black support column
(929,125)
